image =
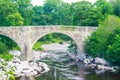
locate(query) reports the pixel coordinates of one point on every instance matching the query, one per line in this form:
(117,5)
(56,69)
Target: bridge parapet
(57,27)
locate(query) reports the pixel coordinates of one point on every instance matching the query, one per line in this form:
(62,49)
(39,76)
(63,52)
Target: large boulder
(100,61)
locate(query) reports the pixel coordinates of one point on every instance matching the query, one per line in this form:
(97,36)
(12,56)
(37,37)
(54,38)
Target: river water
(62,67)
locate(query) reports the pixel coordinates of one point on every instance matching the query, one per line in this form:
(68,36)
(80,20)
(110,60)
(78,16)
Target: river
(62,67)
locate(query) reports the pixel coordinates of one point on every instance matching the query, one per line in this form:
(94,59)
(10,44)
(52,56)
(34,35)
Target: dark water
(63,68)
(105,76)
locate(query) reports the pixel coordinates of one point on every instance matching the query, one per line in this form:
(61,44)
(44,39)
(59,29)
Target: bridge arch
(11,38)
(67,33)
(55,37)
(26,37)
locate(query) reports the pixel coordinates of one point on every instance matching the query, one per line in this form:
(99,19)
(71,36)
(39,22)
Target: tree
(104,7)
(116,7)
(97,43)
(25,9)
(7,10)
(85,14)
(80,12)
(113,47)
(42,20)
(14,19)
(54,12)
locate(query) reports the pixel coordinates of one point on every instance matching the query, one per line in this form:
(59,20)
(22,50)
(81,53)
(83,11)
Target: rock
(100,67)
(82,57)
(15,53)
(92,66)
(23,68)
(2,60)
(99,64)
(99,71)
(86,61)
(16,60)
(3,75)
(44,67)
(37,55)
(100,61)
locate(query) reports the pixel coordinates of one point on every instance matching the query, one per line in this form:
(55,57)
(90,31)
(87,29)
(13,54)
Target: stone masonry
(27,36)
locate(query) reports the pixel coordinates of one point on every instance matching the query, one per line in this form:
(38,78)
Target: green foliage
(26,11)
(51,38)
(104,42)
(104,7)
(56,12)
(8,11)
(81,12)
(116,7)
(37,46)
(6,56)
(14,19)
(113,47)
(57,37)
(9,43)
(3,48)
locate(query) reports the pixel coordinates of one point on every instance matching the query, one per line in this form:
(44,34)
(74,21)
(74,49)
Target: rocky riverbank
(99,65)
(21,68)
(34,67)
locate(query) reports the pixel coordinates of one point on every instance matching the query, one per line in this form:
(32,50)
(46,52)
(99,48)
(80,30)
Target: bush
(113,47)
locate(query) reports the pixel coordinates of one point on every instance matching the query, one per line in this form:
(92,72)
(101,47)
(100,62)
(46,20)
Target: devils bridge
(27,36)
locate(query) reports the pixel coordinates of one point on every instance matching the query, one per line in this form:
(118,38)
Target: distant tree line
(56,12)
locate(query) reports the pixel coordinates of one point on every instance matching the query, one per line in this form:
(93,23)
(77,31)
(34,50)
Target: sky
(41,2)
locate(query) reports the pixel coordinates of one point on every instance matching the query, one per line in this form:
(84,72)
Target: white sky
(41,2)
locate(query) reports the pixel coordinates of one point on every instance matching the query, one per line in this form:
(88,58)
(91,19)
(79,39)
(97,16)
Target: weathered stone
(27,36)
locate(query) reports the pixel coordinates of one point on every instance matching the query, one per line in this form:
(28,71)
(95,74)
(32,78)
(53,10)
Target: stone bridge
(27,36)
